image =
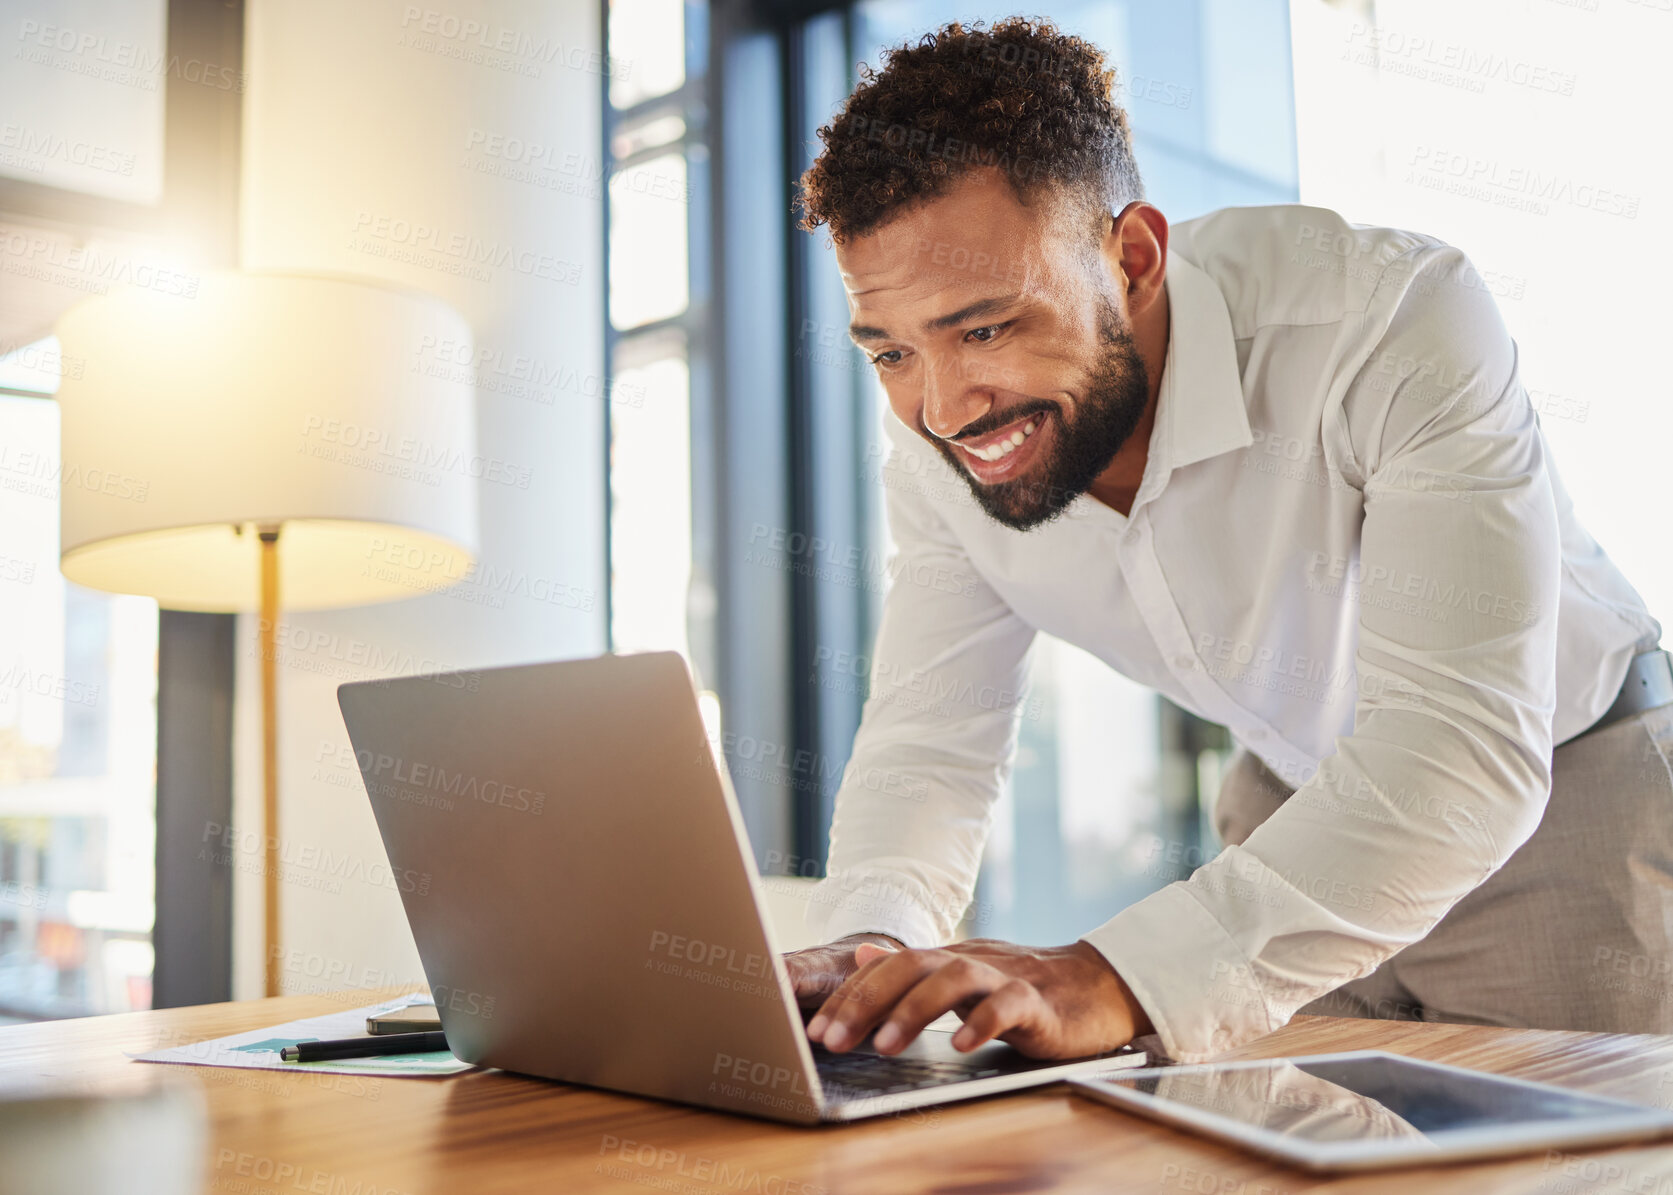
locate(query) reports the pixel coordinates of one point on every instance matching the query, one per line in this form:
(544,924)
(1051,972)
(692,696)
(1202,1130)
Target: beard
(1116,392)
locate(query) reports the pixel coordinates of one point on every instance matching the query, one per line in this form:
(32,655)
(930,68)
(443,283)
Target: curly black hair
(1019,96)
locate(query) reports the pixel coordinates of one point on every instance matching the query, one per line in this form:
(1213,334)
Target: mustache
(991,422)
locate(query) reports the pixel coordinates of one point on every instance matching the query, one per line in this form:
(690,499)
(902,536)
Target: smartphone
(415,1018)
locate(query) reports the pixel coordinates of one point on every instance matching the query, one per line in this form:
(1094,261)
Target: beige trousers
(1574,932)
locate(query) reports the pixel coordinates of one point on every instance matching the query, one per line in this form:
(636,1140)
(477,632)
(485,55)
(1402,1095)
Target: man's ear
(1136,248)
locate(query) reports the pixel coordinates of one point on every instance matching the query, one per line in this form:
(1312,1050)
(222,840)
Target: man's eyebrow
(974,310)
(952,319)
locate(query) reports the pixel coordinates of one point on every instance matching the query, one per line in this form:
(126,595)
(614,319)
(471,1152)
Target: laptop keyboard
(859,1076)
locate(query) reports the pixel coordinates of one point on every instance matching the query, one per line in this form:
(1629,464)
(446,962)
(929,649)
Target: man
(1282,469)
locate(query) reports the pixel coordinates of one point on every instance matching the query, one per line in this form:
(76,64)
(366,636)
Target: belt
(1648,685)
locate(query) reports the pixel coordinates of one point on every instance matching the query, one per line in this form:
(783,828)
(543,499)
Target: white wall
(364,123)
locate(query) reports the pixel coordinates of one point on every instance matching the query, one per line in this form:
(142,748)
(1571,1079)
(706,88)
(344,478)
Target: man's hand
(818,971)
(1048,1002)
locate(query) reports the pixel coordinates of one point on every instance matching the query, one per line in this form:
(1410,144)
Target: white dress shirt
(1349,546)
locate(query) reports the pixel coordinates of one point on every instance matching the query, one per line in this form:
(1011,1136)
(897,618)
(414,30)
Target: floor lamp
(321,423)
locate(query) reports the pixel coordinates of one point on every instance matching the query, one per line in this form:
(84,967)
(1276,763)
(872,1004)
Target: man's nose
(952,398)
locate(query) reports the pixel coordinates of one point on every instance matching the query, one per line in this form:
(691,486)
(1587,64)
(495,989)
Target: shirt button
(1186,662)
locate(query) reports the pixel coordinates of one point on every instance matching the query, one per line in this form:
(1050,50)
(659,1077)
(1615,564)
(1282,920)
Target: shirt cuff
(1187,973)
(853,904)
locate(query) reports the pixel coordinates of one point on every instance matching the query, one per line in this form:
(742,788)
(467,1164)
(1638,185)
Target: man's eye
(886,357)
(984,334)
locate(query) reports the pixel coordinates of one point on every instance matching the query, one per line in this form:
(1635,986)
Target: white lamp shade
(332,407)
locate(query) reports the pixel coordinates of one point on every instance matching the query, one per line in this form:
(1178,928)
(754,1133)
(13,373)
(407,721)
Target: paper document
(259,1049)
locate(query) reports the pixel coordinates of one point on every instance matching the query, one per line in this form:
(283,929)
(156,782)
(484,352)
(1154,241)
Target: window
(654,137)
(123,160)
(1107,799)
(755,454)
(78,739)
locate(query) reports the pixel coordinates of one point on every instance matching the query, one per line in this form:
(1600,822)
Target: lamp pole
(269,535)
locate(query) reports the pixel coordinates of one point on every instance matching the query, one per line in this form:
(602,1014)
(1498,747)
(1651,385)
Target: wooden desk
(484,1131)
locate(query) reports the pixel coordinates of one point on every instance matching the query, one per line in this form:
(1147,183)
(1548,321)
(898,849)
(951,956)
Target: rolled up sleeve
(1447,768)
(937,736)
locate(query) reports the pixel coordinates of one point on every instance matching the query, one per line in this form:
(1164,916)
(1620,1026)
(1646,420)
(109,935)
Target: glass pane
(884,24)
(649,262)
(647,49)
(1207,88)
(83,92)
(1075,838)
(78,734)
(650,507)
(1097,813)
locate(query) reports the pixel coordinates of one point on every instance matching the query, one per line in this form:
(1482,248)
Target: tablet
(1368,1109)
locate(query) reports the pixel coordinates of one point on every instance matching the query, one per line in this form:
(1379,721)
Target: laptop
(571,859)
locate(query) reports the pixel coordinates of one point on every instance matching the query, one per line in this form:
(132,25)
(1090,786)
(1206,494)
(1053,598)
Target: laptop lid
(588,909)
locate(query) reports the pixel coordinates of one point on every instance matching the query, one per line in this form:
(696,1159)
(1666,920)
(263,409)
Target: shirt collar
(1200,407)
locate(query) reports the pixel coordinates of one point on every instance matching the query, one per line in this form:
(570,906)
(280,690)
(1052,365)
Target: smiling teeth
(1005,447)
